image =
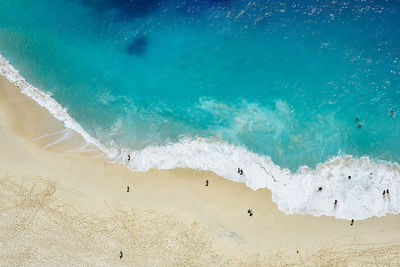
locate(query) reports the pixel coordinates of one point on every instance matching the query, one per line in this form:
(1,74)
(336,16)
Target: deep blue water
(285,79)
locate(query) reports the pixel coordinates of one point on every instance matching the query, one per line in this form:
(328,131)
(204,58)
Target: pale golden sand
(73,209)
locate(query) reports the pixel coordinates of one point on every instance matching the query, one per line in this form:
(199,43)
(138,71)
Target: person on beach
(384,192)
(335,202)
(120,255)
(352,222)
(127,189)
(241,171)
(249,211)
(349,177)
(129,157)
(387,191)
(320,189)
(206,182)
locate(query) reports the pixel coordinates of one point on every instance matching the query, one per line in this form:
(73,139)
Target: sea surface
(299,94)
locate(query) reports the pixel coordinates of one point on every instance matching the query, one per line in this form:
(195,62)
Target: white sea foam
(45,100)
(358,198)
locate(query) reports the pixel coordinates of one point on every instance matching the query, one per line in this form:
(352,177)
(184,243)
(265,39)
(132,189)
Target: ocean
(299,94)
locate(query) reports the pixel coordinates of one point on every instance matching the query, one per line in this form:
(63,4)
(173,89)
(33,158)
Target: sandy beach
(62,206)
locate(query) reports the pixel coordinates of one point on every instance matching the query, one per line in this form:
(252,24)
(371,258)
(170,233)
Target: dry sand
(72,208)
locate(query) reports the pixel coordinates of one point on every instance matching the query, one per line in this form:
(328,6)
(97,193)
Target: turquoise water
(285,79)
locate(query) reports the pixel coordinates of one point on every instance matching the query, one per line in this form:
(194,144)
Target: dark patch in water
(126,9)
(138,46)
(129,9)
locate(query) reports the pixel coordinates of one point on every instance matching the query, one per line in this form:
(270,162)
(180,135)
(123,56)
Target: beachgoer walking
(387,191)
(128,188)
(120,255)
(349,177)
(320,188)
(335,202)
(384,191)
(352,222)
(249,210)
(206,182)
(241,171)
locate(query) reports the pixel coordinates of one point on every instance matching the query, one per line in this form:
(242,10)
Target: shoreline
(195,224)
(360,199)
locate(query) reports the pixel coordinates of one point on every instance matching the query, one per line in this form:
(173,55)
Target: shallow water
(220,84)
